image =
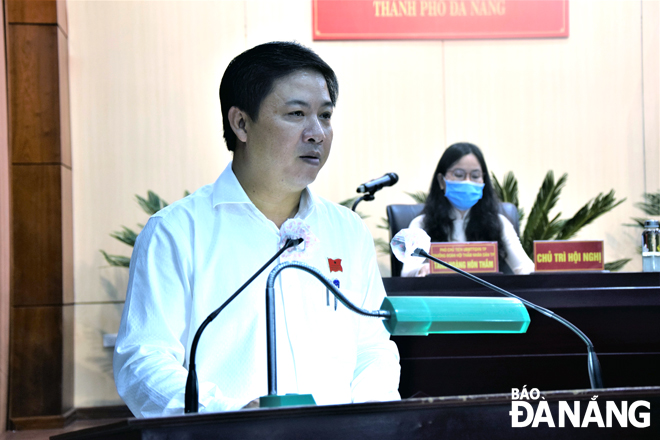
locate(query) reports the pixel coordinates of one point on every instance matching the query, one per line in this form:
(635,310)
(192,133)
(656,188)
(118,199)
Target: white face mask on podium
(406,241)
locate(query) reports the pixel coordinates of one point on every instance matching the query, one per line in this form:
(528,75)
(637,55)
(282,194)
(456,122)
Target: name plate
(564,255)
(474,257)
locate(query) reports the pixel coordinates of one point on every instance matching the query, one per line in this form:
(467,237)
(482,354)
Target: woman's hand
(424,270)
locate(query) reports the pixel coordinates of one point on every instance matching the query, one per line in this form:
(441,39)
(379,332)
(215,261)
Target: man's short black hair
(249,78)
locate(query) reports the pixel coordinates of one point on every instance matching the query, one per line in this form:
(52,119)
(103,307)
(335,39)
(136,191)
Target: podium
(459,417)
(473,374)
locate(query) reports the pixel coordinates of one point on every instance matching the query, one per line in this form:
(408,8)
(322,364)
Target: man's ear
(238,122)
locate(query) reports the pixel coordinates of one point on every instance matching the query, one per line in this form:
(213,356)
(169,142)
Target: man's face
(290,141)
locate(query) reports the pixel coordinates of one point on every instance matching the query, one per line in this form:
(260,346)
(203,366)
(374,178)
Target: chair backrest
(400,216)
(510,211)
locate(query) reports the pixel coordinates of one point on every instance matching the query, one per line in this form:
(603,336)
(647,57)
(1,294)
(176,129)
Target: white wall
(144,78)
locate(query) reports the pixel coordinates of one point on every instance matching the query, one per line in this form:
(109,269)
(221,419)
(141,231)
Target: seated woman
(462,206)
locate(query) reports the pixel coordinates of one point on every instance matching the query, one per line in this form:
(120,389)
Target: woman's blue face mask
(463,195)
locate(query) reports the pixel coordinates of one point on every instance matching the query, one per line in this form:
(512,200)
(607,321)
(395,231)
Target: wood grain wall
(41,347)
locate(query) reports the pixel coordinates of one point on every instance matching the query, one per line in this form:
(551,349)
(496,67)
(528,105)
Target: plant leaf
(152,204)
(384,224)
(650,207)
(126,235)
(382,246)
(651,204)
(418,196)
(617,265)
(552,228)
(499,191)
(639,222)
(116,260)
(507,191)
(348,203)
(537,225)
(588,213)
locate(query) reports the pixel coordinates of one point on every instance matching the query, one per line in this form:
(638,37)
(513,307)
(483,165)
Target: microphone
(292,229)
(415,242)
(372,186)
(192,385)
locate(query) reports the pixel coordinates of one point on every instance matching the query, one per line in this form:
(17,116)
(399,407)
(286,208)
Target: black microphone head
(372,186)
(292,242)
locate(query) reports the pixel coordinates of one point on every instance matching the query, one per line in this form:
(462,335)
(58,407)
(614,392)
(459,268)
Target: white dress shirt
(516,257)
(194,254)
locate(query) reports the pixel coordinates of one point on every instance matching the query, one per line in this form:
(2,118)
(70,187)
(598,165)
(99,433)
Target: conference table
(459,386)
(619,312)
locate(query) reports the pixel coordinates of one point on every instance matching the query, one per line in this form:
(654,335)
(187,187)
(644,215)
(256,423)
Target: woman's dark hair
(484,223)
(249,78)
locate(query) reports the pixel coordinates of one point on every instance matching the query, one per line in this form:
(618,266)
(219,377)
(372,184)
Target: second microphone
(372,186)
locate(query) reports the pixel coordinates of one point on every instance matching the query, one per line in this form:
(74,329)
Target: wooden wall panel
(34,93)
(41,386)
(37,235)
(5,234)
(63,101)
(36,366)
(41,347)
(32,11)
(67,382)
(66,231)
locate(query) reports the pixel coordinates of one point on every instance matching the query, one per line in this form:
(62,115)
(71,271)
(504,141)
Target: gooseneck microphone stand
(270,313)
(595,375)
(368,197)
(370,188)
(192,390)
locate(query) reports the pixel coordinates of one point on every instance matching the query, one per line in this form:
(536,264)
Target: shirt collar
(227,189)
(307,203)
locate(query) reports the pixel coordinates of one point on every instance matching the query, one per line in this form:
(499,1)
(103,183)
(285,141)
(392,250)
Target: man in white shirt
(277,102)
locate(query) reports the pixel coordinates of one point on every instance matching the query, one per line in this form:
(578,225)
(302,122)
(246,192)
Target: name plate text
(562,255)
(474,257)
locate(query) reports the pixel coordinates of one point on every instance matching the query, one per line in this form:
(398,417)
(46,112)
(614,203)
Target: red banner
(438,19)
(475,256)
(568,255)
